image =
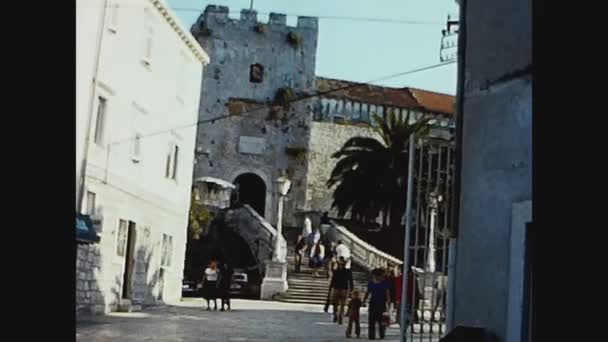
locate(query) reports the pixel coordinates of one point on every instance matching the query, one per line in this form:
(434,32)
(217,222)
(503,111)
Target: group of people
(216,284)
(381,291)
(384,293)
(321,250)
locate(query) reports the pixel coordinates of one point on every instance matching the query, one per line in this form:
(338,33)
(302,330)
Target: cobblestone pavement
(249,321)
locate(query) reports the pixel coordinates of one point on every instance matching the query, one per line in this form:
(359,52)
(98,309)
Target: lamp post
(275,277)
(435,198)
(283,185)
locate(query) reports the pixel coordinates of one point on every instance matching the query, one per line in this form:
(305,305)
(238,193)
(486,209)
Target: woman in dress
(210,284)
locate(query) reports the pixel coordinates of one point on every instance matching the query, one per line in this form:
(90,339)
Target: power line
(325,17)
(265,106)
(330,17)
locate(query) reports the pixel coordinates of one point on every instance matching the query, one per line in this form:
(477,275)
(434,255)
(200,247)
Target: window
(171,162)
(256,73)
(100,122)
(167,251)
(121,242)
(91,203)
(113,20)
(148,36)
(136,149)
(175,155)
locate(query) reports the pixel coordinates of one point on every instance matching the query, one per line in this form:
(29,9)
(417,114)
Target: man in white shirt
(344,252)
(307,229)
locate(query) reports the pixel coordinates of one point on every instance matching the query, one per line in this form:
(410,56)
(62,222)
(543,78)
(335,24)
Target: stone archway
(252,191)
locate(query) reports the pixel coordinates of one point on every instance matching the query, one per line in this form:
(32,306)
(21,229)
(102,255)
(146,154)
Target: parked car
(240,285)
(191,288)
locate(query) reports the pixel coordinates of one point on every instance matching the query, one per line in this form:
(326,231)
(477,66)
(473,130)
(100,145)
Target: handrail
(270,229)
(362,252)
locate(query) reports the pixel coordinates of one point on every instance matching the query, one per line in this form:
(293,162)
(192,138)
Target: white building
(138,79)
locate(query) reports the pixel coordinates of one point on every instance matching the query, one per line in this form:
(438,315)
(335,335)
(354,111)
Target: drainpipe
(87,139)
(453,254)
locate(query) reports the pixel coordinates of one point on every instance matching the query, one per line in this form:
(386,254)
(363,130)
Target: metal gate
(429,240)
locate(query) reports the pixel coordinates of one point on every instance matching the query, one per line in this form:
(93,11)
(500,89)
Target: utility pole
(251,5)
(406,247)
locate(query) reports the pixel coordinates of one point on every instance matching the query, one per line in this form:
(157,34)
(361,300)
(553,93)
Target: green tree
(199,217)
(370,175)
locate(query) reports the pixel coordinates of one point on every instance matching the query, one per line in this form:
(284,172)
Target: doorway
(129,261)
(251,191)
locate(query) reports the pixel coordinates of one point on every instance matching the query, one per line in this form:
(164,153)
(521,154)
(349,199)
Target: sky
(357,50)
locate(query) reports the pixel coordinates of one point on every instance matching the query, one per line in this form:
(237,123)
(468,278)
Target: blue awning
(85,232)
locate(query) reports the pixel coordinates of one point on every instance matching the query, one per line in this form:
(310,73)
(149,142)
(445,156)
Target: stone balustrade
(362,252)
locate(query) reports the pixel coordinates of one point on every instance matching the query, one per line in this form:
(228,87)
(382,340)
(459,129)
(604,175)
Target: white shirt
(317,237)
(211,274)
(343,251)
(307,230)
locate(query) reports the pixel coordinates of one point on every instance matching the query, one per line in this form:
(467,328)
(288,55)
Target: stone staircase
(304,287)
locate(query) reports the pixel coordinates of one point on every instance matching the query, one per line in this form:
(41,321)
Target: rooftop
(186,36)
(411,98)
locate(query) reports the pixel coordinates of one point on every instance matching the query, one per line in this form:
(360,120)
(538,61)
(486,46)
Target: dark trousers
(226,299)
(298,261)
(349,329)
(375,316)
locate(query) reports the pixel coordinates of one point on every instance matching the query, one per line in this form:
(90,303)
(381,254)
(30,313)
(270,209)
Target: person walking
(389,279)
(225,281)
(317,253)
(379,295)
(354,307)
(397,284)
(342,251)
(307,229)
(340,286)
(210,284)
(300,249)
(330,257)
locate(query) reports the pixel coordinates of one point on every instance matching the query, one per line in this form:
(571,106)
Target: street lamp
(435,199)
(283,185)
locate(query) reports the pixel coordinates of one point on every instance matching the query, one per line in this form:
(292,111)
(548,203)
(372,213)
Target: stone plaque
(252,145)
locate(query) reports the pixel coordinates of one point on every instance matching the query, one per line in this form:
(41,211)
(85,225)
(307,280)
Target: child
(353,314)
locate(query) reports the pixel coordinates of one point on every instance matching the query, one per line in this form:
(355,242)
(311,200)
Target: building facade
(138,76)
(496,173)
(255,66)
(258,134)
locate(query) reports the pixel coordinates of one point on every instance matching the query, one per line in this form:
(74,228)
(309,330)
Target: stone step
(312,292)
(303,301)
(125,305)
(306,284)
(320,296)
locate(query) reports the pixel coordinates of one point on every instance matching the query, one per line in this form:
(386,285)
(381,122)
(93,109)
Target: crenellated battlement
(219,14)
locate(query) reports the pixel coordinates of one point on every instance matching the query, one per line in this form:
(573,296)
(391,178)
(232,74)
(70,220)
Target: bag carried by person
(386,319)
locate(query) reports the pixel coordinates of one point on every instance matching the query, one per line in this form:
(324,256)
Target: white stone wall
(145,99)
(325,139)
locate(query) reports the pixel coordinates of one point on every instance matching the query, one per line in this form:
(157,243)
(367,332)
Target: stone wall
(326,139)
(496,158)
(255,141)
(89,296)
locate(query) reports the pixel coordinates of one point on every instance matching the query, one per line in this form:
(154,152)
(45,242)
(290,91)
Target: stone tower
(255,69)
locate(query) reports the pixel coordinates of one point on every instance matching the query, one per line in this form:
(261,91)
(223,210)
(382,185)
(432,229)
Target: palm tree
(370,175)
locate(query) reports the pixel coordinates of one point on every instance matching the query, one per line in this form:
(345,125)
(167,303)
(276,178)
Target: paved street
(249,321)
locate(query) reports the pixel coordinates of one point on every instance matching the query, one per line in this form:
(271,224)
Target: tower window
(256,73)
